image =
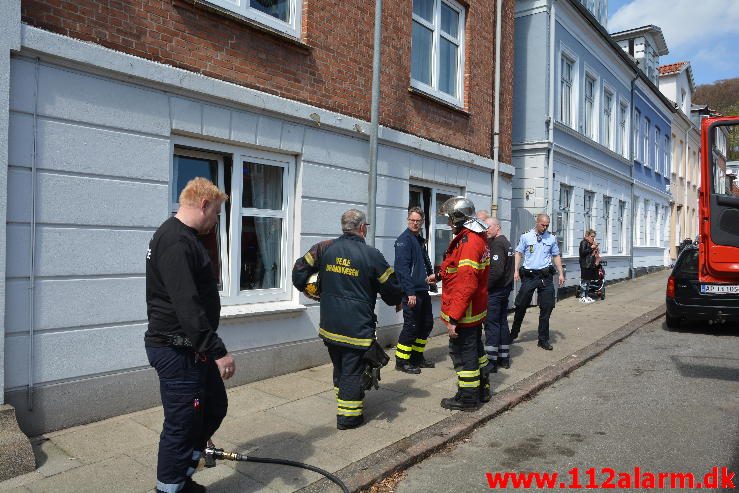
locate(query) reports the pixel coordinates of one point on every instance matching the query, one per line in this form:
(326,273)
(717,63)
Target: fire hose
(212,454)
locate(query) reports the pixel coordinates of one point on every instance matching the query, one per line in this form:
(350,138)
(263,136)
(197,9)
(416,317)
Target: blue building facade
(577,98)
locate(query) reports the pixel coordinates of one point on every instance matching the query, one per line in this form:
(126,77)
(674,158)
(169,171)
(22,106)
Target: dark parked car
(689,300)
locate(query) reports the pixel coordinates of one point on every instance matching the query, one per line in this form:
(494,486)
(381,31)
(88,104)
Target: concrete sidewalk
(293,416)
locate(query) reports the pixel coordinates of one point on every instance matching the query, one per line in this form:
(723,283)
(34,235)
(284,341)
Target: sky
(703,32)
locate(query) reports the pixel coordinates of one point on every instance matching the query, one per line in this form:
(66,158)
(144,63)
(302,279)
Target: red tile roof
(672,68)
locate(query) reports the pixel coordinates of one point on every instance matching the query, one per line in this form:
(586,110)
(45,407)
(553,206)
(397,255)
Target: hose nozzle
(213,454)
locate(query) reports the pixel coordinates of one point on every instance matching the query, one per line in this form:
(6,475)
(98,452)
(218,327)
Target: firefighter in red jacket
(464,299)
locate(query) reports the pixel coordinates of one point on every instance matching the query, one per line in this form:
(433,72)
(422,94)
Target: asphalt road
(662,401)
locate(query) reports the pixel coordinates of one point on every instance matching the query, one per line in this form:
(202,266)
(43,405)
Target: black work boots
(407,368)
(455,404)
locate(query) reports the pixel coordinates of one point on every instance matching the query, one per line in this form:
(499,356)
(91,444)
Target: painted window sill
(275,308)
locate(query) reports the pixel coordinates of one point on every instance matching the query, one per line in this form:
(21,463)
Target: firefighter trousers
(417,324)
(468,357)
(497,334)
(348,368)
(195,403)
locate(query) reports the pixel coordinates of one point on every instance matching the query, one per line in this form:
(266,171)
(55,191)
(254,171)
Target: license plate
(719,288)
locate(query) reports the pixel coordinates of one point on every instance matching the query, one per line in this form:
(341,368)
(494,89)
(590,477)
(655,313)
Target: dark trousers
(417,325)
(195,403)
(348,369)
(545,289)
(497,334)
(468,355)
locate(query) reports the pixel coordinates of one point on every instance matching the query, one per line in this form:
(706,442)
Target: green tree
(723,97)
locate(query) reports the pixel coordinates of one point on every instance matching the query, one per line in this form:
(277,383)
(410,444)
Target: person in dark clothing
(588,267)
(500,285)
(414,271)
(191,361)
(352,273)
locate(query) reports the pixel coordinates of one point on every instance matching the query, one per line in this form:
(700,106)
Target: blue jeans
(497,334)
(195,402)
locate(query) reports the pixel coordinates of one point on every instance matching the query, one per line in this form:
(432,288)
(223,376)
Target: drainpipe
(496,124)
(32,262)
(374,125)
(685,196)
(550,117)
(632,155)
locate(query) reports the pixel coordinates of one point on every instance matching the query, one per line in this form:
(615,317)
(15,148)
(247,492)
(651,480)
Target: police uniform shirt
(537,249)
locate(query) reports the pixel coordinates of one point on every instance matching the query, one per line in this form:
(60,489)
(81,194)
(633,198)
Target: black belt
(546,271)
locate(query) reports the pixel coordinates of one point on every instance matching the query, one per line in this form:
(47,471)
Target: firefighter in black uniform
(500,285)
(351,275)
(183,307)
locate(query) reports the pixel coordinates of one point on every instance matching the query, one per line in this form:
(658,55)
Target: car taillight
(670,287)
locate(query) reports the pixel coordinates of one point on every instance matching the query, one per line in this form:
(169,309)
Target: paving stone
(258,429)
(287,479)
(291,387)
(120,474)
(50,459)
(93,444)
(310,411)
(248,399)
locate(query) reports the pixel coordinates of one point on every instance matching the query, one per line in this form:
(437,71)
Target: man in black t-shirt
(183,308)
(500,285)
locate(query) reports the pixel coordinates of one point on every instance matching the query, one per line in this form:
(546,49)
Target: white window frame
(636,134)
(231,250)
(647,221)
(291,28)
(571,57)
(606,241)
(657,152)
(608,113)
(645,144)
(622,226)
(657,223)
(436,222)
(594,113)
(565,212)
(433,89)
(667,156)
(588,210)
(623,137)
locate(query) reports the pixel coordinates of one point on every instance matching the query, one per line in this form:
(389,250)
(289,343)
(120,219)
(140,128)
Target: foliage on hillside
(723,97)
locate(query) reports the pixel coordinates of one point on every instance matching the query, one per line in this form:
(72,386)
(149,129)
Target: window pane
(262,186)
(212,243)
(442,238)
(449,21)
(424,8)
(421,53)
(187,168)
(448,68)
(279,9)
(260,252)
(440,199)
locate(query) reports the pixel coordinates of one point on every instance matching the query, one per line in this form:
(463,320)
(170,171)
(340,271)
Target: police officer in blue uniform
(540,253)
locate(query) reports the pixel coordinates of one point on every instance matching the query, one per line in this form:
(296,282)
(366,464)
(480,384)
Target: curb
(416,447)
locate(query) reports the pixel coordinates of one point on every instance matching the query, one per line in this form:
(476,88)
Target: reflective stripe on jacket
(352,273)
(464,275)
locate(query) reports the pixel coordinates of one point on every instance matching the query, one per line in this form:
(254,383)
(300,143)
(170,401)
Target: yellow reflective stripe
(345,339)
(464,384)
(472,319)
(451,270)
(402,351)
(350,404)
(483,360)
(473,264)
(384,277)
(309,258)
(421,341)
(469,373)
(419,349)
(344,412)
(445,316)
(403,347)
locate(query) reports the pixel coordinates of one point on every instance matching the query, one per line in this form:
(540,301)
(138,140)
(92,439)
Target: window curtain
(266,191)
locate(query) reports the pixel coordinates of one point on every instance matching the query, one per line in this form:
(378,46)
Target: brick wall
(332,69)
